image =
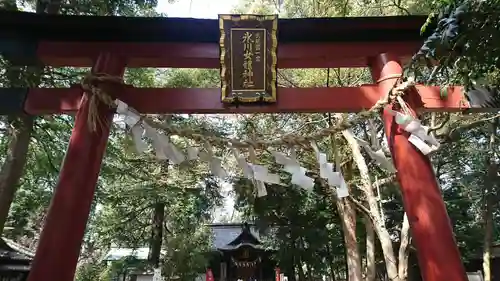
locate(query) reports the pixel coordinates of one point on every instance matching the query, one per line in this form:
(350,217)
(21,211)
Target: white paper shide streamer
(326,172)
(132,119)
(258,174)
(214,163)
(377,155)
(192,153)
(419,136)
(163,147)
(293,167)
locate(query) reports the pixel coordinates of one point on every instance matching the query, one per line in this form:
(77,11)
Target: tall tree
(20,126)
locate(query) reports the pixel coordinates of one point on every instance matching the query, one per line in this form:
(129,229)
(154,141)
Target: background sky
(204,9)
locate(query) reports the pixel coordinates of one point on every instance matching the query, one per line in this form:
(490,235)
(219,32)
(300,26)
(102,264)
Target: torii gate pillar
(59,247)
(437,251)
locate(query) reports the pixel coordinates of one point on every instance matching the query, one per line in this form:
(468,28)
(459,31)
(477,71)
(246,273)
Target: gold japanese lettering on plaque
(248,47)
(248,57)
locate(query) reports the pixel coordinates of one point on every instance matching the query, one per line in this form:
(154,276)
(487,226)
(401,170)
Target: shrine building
(237,253)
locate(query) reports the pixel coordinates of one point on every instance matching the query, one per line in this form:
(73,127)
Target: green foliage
(129,184)
(464,41)
(94,272)
(187,258)
(304,228)
(298,225)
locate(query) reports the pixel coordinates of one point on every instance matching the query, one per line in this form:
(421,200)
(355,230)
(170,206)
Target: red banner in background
(210,275)
(277,270)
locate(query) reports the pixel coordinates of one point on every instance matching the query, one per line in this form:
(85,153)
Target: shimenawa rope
(93,82)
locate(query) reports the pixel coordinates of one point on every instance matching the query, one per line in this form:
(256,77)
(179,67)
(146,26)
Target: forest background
(365,237)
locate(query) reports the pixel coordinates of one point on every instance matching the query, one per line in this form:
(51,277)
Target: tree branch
(384,180)
(454,134)
(361,207)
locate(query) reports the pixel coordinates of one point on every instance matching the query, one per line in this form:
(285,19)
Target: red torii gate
(110,44)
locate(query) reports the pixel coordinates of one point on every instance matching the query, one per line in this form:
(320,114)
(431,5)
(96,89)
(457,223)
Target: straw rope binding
(92,84)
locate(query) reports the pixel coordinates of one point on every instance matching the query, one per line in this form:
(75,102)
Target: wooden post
(59,247)
(437,251)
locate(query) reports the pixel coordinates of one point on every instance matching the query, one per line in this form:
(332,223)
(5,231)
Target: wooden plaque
(248,45)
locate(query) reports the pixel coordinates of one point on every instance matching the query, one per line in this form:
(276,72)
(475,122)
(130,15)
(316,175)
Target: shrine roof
(116,253)
(13,252)
(163,29)
(224,234)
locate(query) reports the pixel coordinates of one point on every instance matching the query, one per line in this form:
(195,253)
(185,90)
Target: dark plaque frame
(248,57)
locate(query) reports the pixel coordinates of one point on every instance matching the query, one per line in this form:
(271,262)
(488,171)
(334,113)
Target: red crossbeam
(174,100)
(206,55)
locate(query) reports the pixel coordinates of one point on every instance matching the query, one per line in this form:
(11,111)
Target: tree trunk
(300,270)
(379,225)
(404,249)
(371,266)
(289,270)
(488,203)
(309,272)
(19,133)
(487,242)
(330,259)
(20,129)
(348,215)
(294,272)
(157,233)
(158,219)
